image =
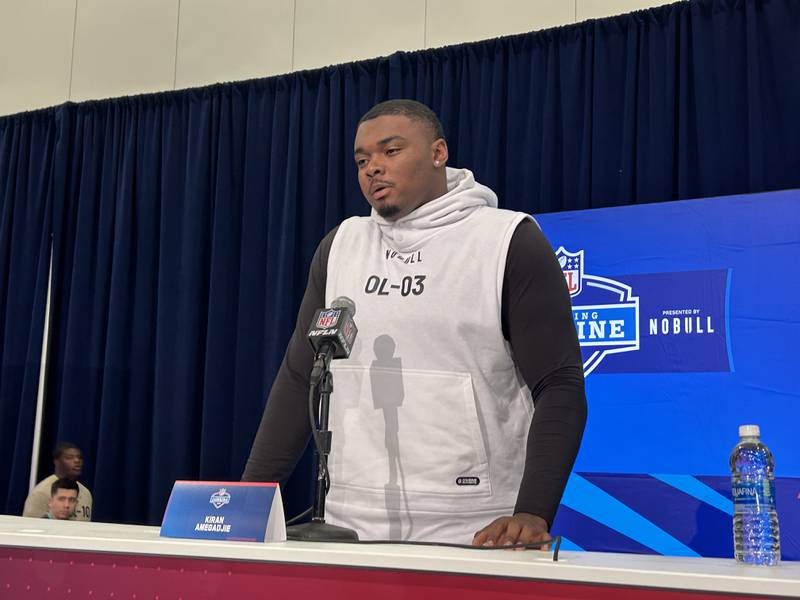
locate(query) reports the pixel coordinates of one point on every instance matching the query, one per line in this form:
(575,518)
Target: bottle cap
(749,431)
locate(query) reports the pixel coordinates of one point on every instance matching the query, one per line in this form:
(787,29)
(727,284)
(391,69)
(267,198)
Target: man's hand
(522,528)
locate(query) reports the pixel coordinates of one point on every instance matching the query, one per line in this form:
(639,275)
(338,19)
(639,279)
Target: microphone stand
(318,529)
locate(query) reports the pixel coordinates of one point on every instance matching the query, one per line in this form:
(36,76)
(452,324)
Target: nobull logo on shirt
(648,322)
(406,259)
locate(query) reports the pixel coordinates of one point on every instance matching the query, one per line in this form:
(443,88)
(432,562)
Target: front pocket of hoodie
(407,429)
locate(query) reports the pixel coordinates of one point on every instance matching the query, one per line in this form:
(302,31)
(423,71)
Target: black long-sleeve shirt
(536,321)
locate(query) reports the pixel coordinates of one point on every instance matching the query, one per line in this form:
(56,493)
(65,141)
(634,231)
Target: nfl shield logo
(572,266)
(327,318)
(220,498)
(347,330)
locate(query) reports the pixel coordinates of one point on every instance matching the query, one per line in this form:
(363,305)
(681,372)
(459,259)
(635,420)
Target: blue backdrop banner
(687,317)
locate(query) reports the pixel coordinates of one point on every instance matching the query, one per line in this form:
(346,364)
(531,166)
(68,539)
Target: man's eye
(361,162)
(391,151)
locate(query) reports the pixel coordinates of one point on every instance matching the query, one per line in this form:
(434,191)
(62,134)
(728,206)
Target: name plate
(219,510)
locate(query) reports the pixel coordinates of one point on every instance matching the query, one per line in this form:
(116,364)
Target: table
(40,558)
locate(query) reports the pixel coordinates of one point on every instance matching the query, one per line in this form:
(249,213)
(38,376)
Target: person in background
(63,499)
(68,462)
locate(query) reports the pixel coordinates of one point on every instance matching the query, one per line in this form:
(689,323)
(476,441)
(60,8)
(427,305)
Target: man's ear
(439,152)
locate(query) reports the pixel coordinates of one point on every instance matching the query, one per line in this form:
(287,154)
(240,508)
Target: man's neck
(441,187)
(437,192)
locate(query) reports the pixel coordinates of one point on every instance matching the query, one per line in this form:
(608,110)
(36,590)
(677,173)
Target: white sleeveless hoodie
(429,414)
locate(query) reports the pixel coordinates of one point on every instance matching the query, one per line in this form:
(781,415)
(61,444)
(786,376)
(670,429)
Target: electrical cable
(527,546)
(556,543)
(300,517)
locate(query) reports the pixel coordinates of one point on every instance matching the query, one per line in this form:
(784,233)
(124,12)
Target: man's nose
(375,167)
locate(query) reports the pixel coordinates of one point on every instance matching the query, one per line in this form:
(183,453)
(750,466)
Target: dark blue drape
(186,221)
(27,179)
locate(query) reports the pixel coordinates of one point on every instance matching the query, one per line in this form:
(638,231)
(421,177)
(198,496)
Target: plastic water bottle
(756,539)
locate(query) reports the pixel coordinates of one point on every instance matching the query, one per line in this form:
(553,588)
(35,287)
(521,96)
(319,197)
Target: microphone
(332,334)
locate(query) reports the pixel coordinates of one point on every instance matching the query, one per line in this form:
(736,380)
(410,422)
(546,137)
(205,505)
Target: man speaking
(464,328)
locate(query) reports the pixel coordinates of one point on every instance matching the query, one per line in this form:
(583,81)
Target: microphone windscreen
(345,302)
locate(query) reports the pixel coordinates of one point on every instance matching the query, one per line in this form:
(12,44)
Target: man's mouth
(378,190)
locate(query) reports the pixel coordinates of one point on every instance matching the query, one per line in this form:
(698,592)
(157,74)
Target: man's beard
(387,211)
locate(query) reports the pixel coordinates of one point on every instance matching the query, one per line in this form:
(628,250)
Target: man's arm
(537,322)
(284,430)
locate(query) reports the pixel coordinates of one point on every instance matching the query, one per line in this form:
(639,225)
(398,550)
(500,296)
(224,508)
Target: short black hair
(63,484)
(62,447)
(411,109)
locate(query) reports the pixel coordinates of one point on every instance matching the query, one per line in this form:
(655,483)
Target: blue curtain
(187,220)
(28,177)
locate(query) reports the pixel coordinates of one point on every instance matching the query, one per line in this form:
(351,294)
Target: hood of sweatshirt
(464,196)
